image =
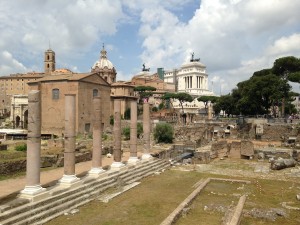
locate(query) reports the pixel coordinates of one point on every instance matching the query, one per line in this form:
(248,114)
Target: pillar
(97,137)
(209,116)
(133,159)
(117,135)
(33,185)
(146,129)
(69,176)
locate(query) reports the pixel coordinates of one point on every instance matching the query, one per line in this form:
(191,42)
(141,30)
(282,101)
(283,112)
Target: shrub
(163,132)
(111,120)
(139,129)
(161,106)
(154,109)
(126,133)
(104,136)
(21,148)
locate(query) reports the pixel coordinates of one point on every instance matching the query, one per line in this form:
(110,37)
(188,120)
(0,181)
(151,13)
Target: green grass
(157,196)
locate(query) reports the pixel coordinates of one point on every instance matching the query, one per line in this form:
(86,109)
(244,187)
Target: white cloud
(8,64)
(72,27)
(285,45)
(233,38)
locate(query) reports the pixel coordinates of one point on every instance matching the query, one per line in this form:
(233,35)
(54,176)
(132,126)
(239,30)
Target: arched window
(95,93)
(55,93)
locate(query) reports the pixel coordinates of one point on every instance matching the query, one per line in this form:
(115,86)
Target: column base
(146,157)
(97,172)
(34,193)
(117,166)
(133,160)
(69,181)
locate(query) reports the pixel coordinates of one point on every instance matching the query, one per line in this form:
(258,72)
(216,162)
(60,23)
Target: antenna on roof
(49,44)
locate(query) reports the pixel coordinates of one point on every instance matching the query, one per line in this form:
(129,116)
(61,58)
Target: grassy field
(157,196)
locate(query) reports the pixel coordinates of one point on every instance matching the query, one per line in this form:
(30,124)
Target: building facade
(190,78)
(84,86)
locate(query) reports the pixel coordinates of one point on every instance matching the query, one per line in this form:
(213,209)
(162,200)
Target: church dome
(103,62)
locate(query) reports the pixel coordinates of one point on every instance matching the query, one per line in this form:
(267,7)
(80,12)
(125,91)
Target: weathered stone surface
(247,148)
(82,157)
(48,161)
(235,150)
(12,167)
(220,149)
(261,156)
(281,163)
(202,157)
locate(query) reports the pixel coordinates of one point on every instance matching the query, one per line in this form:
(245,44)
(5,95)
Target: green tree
(161,106)
(163,132)
(207,99)
(287,68)
(154,109)
(145,92)
(182,97)
(225,103)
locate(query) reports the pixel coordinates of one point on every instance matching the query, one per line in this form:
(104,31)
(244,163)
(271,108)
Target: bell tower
(49,61)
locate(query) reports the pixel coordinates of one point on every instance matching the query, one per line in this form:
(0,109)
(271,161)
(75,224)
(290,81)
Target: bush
(111,120)
(163,132)
(161,106)
(139,129)
(21,148)
(154,109)
(104,136)
(126,133)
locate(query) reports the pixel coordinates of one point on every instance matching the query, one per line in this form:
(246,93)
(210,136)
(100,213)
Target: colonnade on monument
(33,187)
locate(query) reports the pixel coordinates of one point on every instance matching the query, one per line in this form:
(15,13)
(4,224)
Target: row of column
(33,186)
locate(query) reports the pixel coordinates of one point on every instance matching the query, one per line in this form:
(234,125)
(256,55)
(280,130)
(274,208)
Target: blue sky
(233,38)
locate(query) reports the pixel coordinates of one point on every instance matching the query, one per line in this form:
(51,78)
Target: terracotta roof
(69,76)
(121,83)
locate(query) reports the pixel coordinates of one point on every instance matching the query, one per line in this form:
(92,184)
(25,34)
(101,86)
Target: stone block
(247,148)
(220,149)
(235,150)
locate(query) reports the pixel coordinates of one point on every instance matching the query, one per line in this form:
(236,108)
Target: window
(55,93)
(95,93)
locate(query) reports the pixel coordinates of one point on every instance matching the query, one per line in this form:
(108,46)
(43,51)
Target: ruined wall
(199,134)
(276,132)
(235,150)
(219,149)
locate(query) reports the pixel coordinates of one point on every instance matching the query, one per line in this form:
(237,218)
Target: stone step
(63,193)
(55,205)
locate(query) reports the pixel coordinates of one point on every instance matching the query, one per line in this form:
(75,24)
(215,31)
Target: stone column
(133,159)
(33,185)
(146,129)
(117,135)
(69,176)
(97,137)
(209,116)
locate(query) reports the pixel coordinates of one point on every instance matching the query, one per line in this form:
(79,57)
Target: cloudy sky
(233,38)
